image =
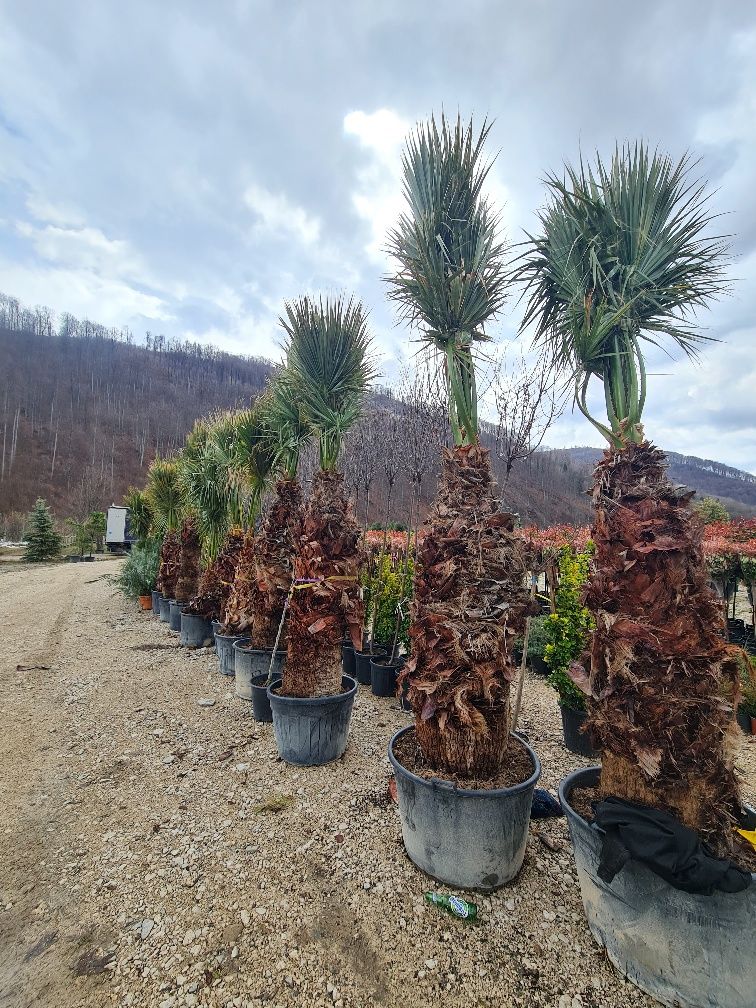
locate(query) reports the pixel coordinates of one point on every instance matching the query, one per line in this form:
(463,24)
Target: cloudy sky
(183,167)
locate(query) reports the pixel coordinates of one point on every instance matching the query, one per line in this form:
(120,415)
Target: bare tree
(526,404)
(425,428)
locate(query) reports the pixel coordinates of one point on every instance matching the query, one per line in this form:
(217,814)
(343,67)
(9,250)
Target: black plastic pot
(196,631)
(174,611)
(576,740)
(165,610)
(362,663)
(261,708)
(403,701)
(313,731)
(383,677)
(470,839)
(347,660)
(683,949)
(250,663)
(538,665)
(156,604)
(224,646)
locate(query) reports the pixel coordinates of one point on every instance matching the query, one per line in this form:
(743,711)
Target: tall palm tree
(328,372)
(141,517)
(252,459)
(164,497)
(470,603)
(624,255)
(275,545)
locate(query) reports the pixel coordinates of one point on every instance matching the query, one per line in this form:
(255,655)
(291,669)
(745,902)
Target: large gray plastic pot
(683,949)
(196,631)
(249,663)
(224,645)
(174,618)
(314,730)
(469,839)
(156,604)
(165,610)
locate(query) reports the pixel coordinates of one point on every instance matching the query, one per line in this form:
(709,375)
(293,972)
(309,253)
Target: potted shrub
(390,595)
(141,520)
(567,631)
(328,368)
(623,255)
(163,497)
(138,575)
(537,641)
(464,782)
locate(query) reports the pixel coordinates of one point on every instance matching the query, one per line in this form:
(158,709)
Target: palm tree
(328,373)
(623,256)
(252,458)
(470,603)
(164,497)
(141,517)
(276,542)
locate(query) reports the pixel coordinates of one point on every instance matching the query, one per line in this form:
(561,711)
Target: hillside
(84,410)
(734,487)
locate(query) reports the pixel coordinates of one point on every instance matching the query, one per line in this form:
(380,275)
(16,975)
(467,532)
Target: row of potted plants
(621,252)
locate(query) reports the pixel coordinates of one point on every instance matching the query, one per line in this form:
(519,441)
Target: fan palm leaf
(164,494)
(206,477)
(451,277)
(141,516)
(624,255)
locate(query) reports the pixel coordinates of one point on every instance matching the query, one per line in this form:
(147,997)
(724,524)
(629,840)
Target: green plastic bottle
(456,906)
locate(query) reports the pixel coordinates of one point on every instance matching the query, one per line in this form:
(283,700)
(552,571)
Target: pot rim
(436,783)
(348,692)
(276,680)
(192,615)
(239,646)
(231,637)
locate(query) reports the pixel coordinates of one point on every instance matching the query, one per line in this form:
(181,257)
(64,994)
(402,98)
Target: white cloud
(276,215)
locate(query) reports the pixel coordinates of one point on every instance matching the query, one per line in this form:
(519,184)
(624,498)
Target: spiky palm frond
(290,426)
(623,256)
(164,494)
(328,366)
(210,491)
(252,455)
(451,278)
(141,516)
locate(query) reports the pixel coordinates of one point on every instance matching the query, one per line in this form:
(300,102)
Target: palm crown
(622,257)
(164,494)
(451,276)
(328,366)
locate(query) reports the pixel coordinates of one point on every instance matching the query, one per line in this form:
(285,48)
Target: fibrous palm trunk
(327,563)
(169,561)
(470,604)
(217,579)
(274,561)
(189,562)
(662,680)
(238,613)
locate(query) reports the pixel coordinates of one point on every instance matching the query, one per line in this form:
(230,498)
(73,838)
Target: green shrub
(389,586)
(537,638)
(139,574)
(748,686)
(42,539)
(567,630)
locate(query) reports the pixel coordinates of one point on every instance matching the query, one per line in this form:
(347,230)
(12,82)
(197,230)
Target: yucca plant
(252,459)
(624,255)
(163,495)
(276,542)
(470,603)
(328,372)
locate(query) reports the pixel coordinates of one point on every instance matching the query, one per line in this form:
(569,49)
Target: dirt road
(156,852)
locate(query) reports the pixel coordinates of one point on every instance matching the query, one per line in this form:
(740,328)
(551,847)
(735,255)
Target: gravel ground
(142,863)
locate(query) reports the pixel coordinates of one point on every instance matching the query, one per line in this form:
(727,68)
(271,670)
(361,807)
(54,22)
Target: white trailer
(117,533)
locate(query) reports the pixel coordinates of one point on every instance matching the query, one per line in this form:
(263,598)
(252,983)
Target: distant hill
(734,487)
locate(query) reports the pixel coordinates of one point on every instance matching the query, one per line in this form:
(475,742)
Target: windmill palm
(141,517)
(289,431)
(469,602)
(164,496)
(328,372)
(624,255)
(251,455)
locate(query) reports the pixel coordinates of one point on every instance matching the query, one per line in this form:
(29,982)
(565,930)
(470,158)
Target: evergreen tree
(42,539)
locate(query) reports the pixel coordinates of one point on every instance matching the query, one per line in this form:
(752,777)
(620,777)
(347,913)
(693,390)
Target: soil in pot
(362,661)
(311,731)
(467,833)
(683,949)
(574,738)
